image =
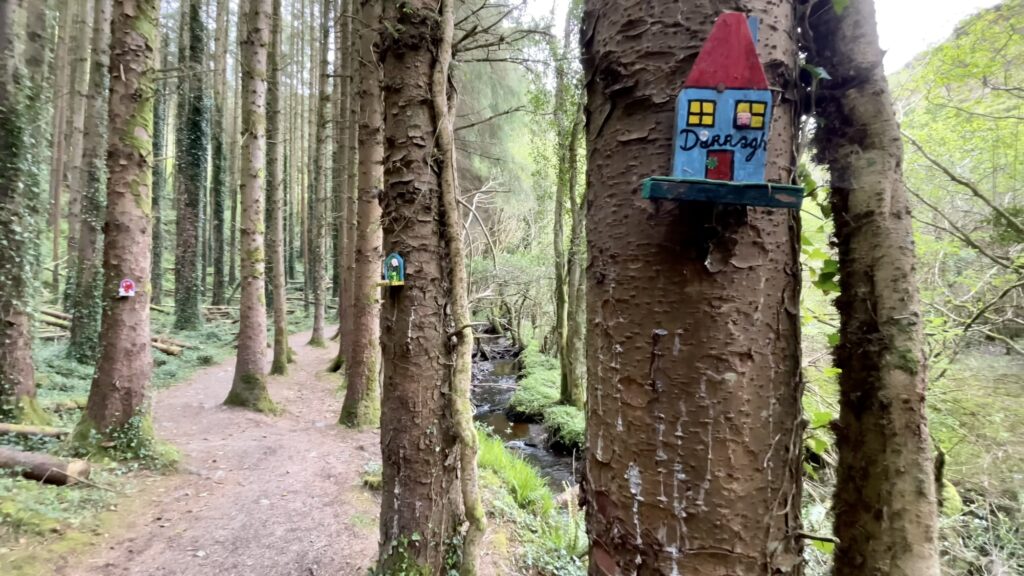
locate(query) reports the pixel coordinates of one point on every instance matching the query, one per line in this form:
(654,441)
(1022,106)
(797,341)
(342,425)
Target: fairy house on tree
(723,122)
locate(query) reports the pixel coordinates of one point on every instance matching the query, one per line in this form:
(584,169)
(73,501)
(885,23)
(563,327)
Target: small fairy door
(719,165)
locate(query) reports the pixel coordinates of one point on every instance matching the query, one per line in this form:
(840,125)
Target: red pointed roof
(728,58)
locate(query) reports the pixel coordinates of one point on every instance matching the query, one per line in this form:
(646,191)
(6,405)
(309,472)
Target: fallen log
(43,467)
(159,309)
(23,430)
(53,335)
(52,321)
(56,314)
(172,342)
(166,348)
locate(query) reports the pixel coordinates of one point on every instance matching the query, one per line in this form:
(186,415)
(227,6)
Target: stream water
(494,382)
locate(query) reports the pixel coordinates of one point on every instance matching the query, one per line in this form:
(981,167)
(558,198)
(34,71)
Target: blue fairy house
(723,122)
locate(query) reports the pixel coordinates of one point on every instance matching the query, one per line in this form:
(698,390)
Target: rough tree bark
(316,266)
(275,180)
(86,305)
(218,154)
(249,387)
(694,427)
(17,230)
(420,441)
(190,177)
(118,391)
(362,395)
(885,507)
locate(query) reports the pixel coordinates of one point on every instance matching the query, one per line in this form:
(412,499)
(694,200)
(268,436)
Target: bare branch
(493,117)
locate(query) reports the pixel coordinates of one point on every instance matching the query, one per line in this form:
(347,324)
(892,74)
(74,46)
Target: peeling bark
(694,427)
(885,502)
(419,444)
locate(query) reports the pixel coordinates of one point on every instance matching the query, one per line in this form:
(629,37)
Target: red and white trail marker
(126,289)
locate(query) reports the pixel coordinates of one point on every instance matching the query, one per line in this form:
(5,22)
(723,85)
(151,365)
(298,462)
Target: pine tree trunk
(885,504)
(362,396)
(160,108)
(275,164)
(343,86)
(87,304)
(694,427)
(350,209)
(419,441)
(218,154)
(17,229)
(249,388)
(118,392)
(190,177)
(318,191)
(75,134)
(61,100)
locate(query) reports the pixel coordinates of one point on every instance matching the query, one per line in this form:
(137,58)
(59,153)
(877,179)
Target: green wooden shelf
(742,193)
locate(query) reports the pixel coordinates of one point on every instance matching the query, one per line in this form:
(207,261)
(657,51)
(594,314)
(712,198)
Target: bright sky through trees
(907,27)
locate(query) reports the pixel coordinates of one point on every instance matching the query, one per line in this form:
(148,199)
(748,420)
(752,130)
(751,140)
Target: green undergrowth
(548,540)
(536,400)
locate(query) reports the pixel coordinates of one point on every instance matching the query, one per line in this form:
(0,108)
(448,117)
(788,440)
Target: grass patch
(538,389)
(566,427)
(549,540)
(372,476)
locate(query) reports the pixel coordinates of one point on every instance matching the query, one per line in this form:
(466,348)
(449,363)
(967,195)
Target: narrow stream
(494,382)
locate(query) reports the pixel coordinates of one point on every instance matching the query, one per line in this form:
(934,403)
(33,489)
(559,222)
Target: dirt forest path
(254,495)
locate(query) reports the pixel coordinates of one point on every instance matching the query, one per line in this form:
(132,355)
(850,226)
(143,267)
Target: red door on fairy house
(719,165)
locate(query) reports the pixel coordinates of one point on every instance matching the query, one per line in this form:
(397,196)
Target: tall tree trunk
(87,304)
(362,395)
(160,107)
(350,209)
(18,208)
(462,348)
(420,439)
(190,178)
(341,97)
(218,154)
(885,506)
(249,387)
(318,191)
(275,164)
(61,101)
(75,134)
(693,411)
(117,397)
(573,354)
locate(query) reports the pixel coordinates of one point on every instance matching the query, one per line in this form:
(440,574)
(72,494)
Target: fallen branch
(23,430)
(43,467)
(56,314)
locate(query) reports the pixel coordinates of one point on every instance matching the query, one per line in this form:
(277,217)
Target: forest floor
(254,494)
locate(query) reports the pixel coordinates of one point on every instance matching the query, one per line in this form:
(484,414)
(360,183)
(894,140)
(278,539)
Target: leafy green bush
(566,427)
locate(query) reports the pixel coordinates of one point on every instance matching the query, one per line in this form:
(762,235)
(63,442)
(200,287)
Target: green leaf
(818,72)
(833,339)
(821,418)
(823,547)
(840,5)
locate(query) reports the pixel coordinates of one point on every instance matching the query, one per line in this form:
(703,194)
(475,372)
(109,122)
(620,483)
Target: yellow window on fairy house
(750,115)
(702,113)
